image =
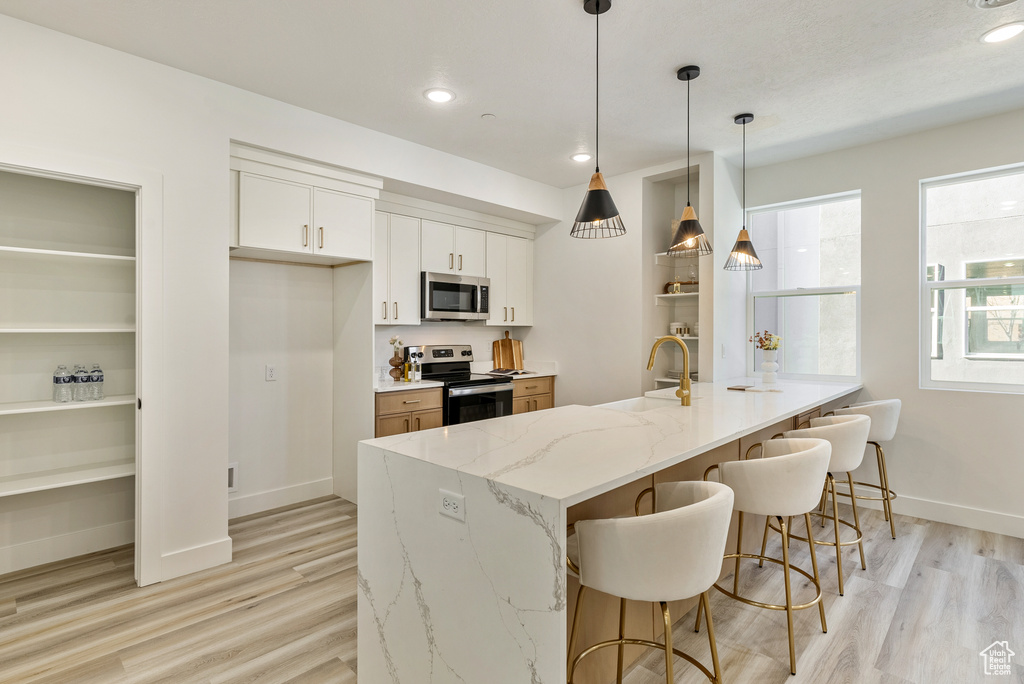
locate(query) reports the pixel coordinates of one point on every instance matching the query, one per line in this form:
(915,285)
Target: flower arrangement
(395,343)
(766,341)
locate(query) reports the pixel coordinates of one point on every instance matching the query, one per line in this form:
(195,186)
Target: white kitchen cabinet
(289,216)
(510,269)
(453,249)
(396,270)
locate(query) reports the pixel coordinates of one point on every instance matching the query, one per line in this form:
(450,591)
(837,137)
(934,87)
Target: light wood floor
(285,611)
(928,603)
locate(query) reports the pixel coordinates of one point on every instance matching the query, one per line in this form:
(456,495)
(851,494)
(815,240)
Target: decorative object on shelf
(396,362)
(743,257)
(674,327)
(688,238)
(768,343)
(598,217)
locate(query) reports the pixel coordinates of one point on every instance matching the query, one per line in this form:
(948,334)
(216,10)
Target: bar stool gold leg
(711,637)
(835,523)
(668,643)
(814,566)
(739,541)
(575,630)
(700,611)
(622,635)
(883,472)
(856,522)
(764,542)
(789,595)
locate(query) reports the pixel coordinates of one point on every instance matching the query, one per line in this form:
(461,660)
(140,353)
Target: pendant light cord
(744,174)
(688,142)
(597,89)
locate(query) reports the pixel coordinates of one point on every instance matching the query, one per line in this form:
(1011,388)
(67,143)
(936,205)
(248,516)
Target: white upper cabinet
(342,224)
(274,214)
(396,270)
(452,249)
(510,268)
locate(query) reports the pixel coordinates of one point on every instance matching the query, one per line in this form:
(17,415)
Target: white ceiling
(817,75)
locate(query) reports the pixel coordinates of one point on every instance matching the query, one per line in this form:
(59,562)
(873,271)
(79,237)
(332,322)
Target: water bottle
(62,392)
(96,382)
(81,391)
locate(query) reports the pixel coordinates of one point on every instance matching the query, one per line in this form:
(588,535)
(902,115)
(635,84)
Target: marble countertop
(573,453)
(399,386)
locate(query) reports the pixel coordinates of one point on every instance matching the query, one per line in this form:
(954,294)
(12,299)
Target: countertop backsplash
(478,335)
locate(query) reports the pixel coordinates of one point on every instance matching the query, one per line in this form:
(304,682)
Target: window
(973,281)
(809,289)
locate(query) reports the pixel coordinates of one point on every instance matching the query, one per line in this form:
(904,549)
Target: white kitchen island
(485,600)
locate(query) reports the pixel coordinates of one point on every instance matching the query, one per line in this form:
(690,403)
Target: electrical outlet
(271,373)
(451,504)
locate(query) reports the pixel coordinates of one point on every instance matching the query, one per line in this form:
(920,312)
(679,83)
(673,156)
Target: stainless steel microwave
(447,297)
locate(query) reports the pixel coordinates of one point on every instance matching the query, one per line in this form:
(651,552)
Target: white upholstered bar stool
(848,436)
(785,482)
(672,554)
(885,416)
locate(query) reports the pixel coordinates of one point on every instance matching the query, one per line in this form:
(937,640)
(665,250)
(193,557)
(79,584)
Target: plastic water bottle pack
(82,385)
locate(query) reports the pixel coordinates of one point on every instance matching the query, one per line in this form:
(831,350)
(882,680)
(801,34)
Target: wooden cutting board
(508,353)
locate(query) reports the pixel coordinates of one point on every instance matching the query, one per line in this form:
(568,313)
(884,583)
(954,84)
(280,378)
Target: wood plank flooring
(285,611)
(927,604)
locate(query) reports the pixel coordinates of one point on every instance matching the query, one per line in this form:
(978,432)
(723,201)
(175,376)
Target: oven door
(468,403)
(451,298)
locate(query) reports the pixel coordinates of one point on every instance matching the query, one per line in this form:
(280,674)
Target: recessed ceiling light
(439,95)
(581,157)
(802,249)
(1008,203)
(488,117)
(1008,264)
(1004,32)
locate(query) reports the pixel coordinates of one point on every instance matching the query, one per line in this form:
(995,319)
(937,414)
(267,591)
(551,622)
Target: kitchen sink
(641,404)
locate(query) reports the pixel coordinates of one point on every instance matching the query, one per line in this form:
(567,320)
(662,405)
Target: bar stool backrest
(786,480)
(884,414)
(666,556)
(848,436)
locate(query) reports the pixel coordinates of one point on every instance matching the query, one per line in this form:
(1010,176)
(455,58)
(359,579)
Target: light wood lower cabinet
(408,411)
(533,394)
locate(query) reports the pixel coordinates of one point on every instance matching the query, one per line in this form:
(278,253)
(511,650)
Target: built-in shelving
(678,298)
(62,254)
(34,331)
(55,478)
(44,406)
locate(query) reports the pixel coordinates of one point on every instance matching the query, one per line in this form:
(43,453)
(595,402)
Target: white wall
(280,433)
(956,456)
(71,97)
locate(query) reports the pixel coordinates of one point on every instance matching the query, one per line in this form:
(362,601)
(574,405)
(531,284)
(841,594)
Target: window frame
(927,287)
(752,296)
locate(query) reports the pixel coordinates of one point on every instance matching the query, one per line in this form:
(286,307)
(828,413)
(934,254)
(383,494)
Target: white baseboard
(275,498)
(50,549)
(953,514)
(197,558)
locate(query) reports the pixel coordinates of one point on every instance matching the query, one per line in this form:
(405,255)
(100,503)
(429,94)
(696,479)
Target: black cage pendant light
(743,257)
(597,217)
(688,238)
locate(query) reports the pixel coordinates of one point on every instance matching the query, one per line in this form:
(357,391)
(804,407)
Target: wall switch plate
(232,477)
(451,504)
(271,373)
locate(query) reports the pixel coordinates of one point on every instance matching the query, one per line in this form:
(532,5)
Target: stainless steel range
(468,396)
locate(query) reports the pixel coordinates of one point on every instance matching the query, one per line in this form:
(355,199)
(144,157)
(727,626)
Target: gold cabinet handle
(412,401)
(506,314)
(460,262)
(451,261)
(305,235)
(384,311)
(513,314)
(406,424)
(321,237)
(532,386)
(417,423)
(396,311)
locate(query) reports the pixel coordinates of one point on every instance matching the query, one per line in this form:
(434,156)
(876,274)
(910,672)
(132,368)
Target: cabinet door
(427,420)
(381,296)
(521,405)
(470,252)
(396,424)
(520,280)
(437,247)
(343,224)
(497,272)
(274,214)
(404,257)
(541,402)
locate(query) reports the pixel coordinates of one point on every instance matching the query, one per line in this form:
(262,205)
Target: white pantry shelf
(684,337)
(62,254)
(670,299)
(55,478)
(44,406)
(32,331)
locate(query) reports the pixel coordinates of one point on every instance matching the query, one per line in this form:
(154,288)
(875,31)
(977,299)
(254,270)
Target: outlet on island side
(451,504)
(271,373)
